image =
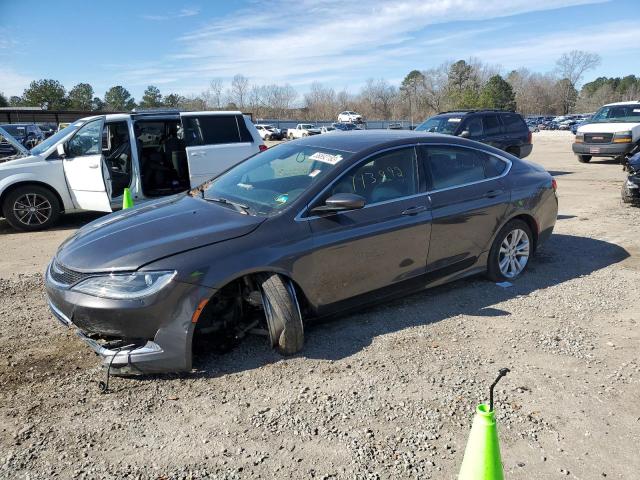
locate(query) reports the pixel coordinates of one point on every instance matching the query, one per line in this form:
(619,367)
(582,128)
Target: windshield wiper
(244,209)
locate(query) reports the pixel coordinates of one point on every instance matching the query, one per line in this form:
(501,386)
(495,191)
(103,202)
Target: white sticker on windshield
(454,120)
(326,158)
(314,173)
(636,110)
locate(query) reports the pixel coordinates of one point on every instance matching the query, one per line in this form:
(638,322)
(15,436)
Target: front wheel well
(235,310)
(16,185)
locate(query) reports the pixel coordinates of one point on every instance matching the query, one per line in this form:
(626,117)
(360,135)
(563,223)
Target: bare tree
(216,87)
(239,91)
(574,64)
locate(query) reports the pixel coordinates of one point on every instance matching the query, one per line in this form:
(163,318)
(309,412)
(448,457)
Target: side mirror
(61,151)
(339,203)
(465,134)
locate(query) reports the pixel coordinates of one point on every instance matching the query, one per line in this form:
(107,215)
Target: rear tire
(513,242)
(31,208)
(282,312)
(584,158)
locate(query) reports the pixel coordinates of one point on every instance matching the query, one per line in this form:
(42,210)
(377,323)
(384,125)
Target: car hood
(131,238)
(612,127)
(8,163)
(14,142)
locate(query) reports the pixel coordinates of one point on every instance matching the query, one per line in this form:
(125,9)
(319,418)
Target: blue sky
(180,47)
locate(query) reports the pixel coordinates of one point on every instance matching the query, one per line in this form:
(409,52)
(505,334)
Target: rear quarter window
(211,129)
(513,123)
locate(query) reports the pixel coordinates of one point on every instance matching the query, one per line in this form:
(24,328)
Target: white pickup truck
(302,130)
(611,132)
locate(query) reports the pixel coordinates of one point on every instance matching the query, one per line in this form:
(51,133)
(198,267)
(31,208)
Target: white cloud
(295,41)
(607,39)
(12,82)
(185,12)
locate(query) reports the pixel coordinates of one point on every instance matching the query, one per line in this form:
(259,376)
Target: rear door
(468,198)
(493,131)
(215,142)
(85,169)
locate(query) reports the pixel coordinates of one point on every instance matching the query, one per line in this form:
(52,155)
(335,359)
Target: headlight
(622,137)
(579,137)
(125,286)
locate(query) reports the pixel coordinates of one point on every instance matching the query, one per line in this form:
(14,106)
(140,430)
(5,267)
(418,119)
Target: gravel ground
(386,393)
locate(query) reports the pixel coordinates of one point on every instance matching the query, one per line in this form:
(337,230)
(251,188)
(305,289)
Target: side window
(87,141)
(387,176)
(210,129)
(454,166)
(491,124)
(474,127)
(513,123)
(245,135)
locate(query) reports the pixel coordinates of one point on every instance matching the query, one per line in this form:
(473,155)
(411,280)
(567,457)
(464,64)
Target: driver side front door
(382,244)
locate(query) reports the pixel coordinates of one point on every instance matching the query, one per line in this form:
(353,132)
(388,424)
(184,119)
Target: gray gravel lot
(385,393)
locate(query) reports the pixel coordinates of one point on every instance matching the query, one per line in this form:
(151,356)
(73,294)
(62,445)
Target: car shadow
(558,173)
(562,258)
(66,222)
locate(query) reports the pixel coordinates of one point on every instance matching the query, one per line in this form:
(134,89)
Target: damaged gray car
(303,230)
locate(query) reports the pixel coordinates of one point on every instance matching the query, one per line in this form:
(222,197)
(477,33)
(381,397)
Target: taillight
(554,184)
(262,147)
(529,137)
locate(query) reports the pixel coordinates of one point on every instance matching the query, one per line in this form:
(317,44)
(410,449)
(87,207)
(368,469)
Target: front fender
(58,183)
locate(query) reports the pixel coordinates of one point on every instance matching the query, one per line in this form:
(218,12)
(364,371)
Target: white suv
(349,117)
(87,165)
(611,132)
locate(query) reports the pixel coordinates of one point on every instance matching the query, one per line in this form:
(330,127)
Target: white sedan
(349,117)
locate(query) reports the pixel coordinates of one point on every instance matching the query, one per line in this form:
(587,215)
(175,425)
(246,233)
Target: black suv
(498,128)
(27,134)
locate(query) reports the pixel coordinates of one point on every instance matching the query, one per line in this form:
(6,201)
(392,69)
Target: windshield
(440,125)
(617,113)
(14,130)
(53,139)
(272,180)
(308,125)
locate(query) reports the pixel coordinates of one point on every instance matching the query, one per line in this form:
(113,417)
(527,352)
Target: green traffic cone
(482,456)
(127,201)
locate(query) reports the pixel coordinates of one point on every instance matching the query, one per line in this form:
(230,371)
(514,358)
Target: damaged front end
(138,335)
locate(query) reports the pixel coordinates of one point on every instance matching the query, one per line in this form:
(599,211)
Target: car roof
(628,102)
(356,141)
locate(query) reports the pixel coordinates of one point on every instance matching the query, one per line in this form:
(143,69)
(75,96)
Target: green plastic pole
(127,201)
(482,456)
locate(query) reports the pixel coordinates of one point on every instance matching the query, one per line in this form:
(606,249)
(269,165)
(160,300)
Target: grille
(598,137)
(63,275)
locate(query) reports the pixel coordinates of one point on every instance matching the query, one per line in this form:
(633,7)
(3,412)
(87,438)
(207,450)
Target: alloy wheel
(514,253)
(32,209)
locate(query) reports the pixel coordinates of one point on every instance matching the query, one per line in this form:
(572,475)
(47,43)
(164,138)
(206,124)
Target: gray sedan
(303,230)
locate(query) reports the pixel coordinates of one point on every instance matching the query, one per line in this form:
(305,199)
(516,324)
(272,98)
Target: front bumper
(602,149)
(149,335)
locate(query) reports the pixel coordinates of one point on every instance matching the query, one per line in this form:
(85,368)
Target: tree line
(463,84)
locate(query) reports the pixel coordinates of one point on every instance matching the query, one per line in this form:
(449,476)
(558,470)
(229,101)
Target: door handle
(94,165)
(492,193)
(414,210)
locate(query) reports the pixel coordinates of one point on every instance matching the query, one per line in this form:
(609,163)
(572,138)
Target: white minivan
(87,165)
